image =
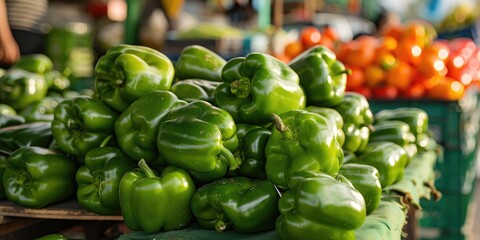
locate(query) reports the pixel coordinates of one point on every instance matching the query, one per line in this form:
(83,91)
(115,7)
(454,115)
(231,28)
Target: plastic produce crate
(455,125)
(449,214)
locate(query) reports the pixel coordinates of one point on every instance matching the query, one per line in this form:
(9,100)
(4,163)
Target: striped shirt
(28,15)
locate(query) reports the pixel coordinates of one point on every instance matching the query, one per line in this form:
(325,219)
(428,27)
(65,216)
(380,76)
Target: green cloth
(384,223)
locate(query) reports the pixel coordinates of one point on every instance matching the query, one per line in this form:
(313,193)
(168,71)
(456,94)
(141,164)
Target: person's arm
(9,50)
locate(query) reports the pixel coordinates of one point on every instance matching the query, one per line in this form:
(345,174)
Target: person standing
(21,29)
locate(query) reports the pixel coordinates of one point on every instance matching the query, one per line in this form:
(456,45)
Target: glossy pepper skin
(36,177)
(35,63)
(320,206)
(7,120)
(41,110)
(153,203)
(301,140)
(334,118)
(322,76)
(240,203)
(253,140)
(199,137)
(256,86)
(416,118)
(99,178)
(20,88)
(27,134)
(195,89)
(9,117)
(397,132)
(366,179)
(127,72)
(81,124)
(388,158)
(7,109)
(56,81)
(198,62)
(357,117)
(136,128)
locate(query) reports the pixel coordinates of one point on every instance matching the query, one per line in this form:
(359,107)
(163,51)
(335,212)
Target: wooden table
(18,222)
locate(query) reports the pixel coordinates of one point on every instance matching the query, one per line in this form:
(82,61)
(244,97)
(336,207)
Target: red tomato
(293,49)
(464,47)
(310,36)
(330,32)
(415,91)
(356,78)
(365,91)
(448,89)
(385,92)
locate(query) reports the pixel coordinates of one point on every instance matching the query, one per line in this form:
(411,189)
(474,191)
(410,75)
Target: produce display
(248,145)
(405,61)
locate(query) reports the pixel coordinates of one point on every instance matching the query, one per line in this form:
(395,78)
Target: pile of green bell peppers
(250,144)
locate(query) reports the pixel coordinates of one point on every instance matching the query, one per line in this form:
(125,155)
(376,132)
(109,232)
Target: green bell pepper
(7,110)
(416,118)
(99,179)
(366,179)
(392,131)
(334,118)
(9,117)
(256,86)
(388,158)
(28,134)
(252,142)
(153,203)
(20,88)
(240,203)
(7,120)
(34,63)
(322,76)
(136,128)
(320,206)
(301,140)
(36,177)
(357,118)
(41,110)
(199,62)
(56,81)
(199,137)
(81,124)
(127,72)
(195,89)
(397,132)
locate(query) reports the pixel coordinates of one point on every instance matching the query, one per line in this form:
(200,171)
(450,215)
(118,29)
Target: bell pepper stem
(105,141)
(241,87)
(281,127)
(345,71)
(231,159)
(146,169)
(220,224)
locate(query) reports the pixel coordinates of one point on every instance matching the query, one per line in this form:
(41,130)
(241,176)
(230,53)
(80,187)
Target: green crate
(445,236)
(449,214)
(455,125)
(455,171)
(447,119)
